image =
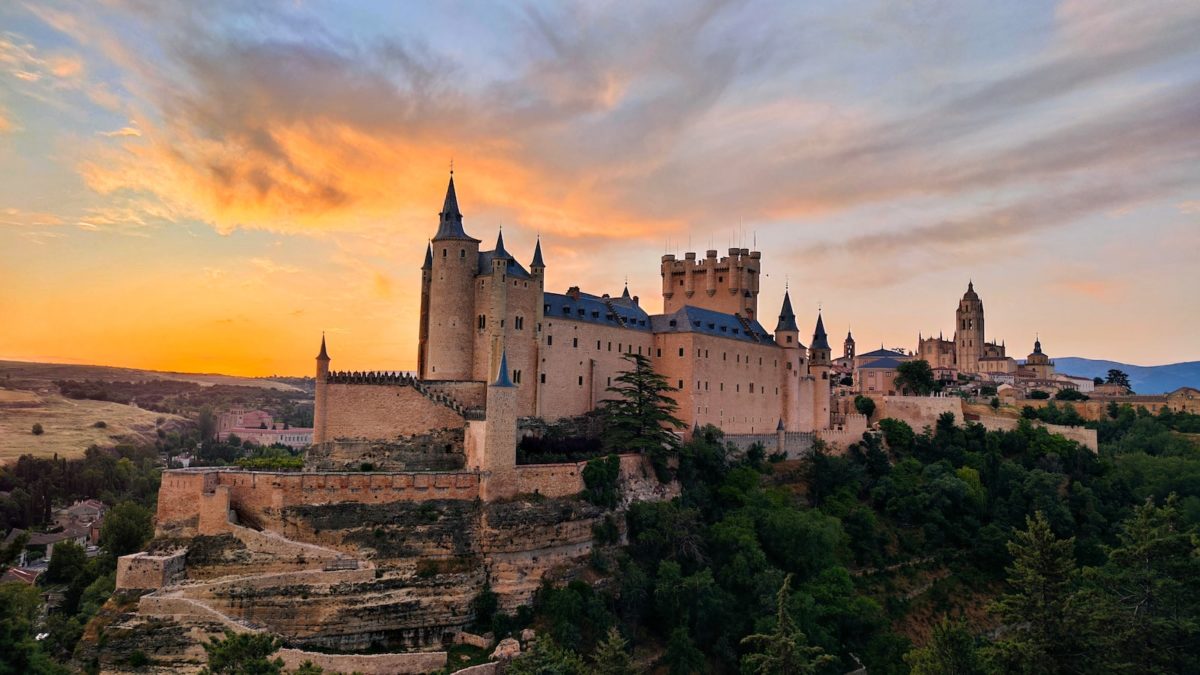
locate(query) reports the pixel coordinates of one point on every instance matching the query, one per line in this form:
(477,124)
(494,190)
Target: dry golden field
(29,396)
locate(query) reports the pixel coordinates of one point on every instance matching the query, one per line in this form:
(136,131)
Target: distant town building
(258,426)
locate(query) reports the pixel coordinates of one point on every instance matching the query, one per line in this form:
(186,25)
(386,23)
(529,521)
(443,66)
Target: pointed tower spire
(450,226)
(324,355)
(500,252)
(787,318)
(428,257)
(537,254)
(502,378)
(625,294)
(820,339)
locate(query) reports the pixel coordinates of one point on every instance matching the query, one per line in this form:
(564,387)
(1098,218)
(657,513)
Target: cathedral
(969,352)
(487,322)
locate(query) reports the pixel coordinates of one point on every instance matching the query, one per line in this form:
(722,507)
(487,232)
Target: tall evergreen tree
(785,650)
(1044,633)
(642,416)
(1152,584)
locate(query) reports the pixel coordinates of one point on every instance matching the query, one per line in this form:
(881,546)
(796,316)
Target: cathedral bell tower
(968,331)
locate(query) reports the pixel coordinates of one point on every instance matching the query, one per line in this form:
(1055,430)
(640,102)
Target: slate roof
(514,268)
(450,223)
(689,319)
(883,353)
(881,364)
(820,340)
(787,318)
(537,255)
(594,309)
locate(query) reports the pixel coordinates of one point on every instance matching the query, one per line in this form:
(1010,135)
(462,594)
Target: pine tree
(1044,631)
(951,649)
(611,656)
(1152,585)
(785,650)
(642,416)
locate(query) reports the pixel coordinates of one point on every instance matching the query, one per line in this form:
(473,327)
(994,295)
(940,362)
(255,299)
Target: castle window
(722,385)
(543,378)
(706,385)
(619,347)
(697,385)
(681,351)
(581,380)
(462,252)
(519,322)
(610,381)
(680,385)
(549,340)
(443,253)
(760,360)
(738,358)
(659,354)
(516,378)
(502,323)
(720,280)
(482,321)
(595,315)
(724,356)
(610,346)
(789,339)
(575,343)
(546,309)
(751,387)
(597,345)
(737,388)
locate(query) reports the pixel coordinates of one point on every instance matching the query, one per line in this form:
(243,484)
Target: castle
(494,346)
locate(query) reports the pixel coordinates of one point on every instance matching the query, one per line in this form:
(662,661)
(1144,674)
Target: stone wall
(918,411)
(438,450)
(142,571)
(412,663)
(258,497)
(382,411)
(579,360)
(469,394)
(1082,435)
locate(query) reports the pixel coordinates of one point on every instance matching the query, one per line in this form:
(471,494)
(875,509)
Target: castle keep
(495,346)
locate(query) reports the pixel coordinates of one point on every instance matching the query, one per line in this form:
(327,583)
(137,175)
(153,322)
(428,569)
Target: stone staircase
(748,328)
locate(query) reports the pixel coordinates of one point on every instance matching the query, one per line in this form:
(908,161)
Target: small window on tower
(443,253)
(462,252)
(581,380)
(575,343)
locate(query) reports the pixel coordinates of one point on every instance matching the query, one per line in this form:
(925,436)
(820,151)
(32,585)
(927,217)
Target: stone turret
(729,285)
(848,347)
(498,461)
(320,403)
(819,366)
(787,336)
(447,317)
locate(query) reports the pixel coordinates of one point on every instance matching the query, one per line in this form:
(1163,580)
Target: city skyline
(208,189)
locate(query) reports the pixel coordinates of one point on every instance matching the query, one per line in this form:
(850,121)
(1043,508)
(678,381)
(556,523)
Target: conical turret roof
(428,257)
(502,378)
(787,318)
(324,355)
(500,251)
(537,255)
(820,339)
(450,226)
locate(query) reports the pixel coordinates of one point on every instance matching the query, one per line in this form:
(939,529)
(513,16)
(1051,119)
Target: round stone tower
(447,316)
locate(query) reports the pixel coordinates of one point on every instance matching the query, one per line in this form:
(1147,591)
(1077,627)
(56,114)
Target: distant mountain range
(1144,379)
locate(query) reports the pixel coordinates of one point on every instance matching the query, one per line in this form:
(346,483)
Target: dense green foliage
(1078,571)
(601,477)
(916,377)
(864,405)
(243,654)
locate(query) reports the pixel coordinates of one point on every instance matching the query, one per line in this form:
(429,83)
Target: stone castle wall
(412,663)
(196,499)
(1082,435)
(468,394)
(918,411)
(142,571)
(382,411)
(438,450)
(579,360)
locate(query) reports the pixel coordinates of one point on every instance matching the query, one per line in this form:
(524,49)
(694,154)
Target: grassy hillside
(1145,379)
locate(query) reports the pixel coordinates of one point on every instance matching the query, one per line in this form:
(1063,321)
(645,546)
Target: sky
(207,186)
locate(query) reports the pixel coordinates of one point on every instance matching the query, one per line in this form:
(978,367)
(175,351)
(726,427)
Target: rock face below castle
(345,562)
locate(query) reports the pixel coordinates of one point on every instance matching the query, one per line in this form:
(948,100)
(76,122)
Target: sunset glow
(209,186)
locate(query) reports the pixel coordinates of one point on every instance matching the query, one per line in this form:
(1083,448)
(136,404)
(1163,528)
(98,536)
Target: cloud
(122,132)
(272,267)
(7,125)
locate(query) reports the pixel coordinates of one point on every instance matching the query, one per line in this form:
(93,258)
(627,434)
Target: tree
(611,656)
(37,429)
(1152,582)
(1045,632)
(601,478)
(126,528)
(951,649)
(308,668)
(682,657)
(1097,380)
(785,650)
(642,417)
(546,657)
(995,403)
(67,560)
(207,423)
(864,405)
(11,551)
(1116,376)
(1039,394)
(1070,395)
(19,653)
(243,654)
(915,377)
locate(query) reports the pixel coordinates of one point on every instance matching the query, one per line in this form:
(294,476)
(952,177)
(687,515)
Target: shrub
(37,429)
(601,476)
(102,425)
(1039,394)
(1071,395)
(864,405)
